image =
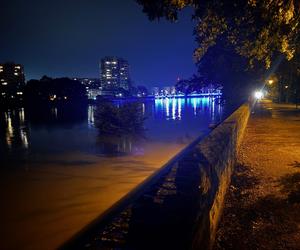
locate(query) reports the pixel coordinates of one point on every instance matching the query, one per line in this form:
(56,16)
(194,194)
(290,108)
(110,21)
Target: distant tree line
(54,90)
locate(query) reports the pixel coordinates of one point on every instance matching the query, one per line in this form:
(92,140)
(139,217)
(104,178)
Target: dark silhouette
(57,90)
(125,119)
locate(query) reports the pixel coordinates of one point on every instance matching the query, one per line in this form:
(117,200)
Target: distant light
(53,97)
(270,81)
(16,74)
(4,83)
(19,93)
(65,97)
(258,94)
(286,86)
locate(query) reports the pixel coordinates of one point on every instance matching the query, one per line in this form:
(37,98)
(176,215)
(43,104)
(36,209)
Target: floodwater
(57,173)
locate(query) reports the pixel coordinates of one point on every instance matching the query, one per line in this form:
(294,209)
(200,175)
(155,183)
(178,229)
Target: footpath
(262,207)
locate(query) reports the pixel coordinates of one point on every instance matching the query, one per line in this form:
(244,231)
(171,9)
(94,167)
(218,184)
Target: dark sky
(69,37)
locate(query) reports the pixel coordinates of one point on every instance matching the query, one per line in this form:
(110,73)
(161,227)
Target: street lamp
(270,81)
(258,94)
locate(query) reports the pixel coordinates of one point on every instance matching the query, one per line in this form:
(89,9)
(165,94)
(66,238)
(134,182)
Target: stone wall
(219,150)
(178,207)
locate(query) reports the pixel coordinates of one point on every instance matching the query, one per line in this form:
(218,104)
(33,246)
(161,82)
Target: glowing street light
(270,81)
(258,94)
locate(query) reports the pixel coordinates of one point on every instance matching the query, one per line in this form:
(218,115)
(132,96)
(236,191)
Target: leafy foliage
(125,119)
(288,79)
(257,30)
(187,86)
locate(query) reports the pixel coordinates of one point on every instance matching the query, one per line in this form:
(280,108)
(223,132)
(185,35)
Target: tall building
(12,80)
(114,73)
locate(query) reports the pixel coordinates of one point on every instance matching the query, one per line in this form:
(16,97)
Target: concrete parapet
(219,149)
(179,206)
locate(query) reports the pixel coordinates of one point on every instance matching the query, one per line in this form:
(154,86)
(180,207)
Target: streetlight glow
(258,94)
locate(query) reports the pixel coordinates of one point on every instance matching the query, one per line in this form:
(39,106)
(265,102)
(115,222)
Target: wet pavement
(263,203)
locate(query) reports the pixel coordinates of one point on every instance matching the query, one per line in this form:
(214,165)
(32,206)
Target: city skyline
(89,33)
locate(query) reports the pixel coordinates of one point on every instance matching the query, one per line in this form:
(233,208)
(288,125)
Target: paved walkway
(262,209)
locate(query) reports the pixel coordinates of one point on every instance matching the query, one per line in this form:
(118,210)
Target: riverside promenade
(262,207)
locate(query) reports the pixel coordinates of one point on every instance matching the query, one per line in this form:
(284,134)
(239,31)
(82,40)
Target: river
(58,173)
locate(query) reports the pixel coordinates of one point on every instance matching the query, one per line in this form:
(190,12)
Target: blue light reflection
(180,107)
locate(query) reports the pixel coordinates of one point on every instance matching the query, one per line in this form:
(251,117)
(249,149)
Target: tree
(257,30)
(288,75)
(54,90)
(237,40)
(126,119)
(194,83)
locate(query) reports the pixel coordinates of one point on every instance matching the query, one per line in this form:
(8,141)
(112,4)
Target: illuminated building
(12,80)
(114,73)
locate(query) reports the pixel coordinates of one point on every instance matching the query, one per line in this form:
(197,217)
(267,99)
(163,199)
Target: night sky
(69,37)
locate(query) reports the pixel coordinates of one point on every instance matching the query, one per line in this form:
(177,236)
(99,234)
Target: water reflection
(182,106)
(91,118)
(121,145)
(45,130)
(13,129)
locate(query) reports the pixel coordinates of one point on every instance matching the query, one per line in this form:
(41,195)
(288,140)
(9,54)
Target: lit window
(2,80)
(19,93)
(107,62)
(16,74)
(114,62)
(17,67)
(4,83)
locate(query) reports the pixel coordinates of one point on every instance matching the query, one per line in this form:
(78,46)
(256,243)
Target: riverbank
(263,203)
